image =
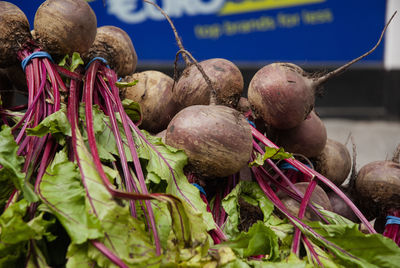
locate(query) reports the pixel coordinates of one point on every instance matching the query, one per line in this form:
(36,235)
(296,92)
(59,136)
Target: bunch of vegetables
(105,167)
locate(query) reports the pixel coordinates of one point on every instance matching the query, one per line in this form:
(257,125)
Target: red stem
(312,173)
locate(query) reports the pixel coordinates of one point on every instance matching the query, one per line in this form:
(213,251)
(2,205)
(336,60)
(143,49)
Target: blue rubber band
(36,54)
(392,220)
(251,123)
(286,165)
(97,58)
(201,189)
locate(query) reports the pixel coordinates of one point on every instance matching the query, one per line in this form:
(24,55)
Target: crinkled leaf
(78,257)
(253,194)
(122,84)
(15,232)
(357,249)
(62,191)
(123,235)
(177,183)
(76,60)
(188,242)
(259,240)
(291,262)
(105,139)
(56,124)
(163,221)
(132,109)
(12,164)
(270,153)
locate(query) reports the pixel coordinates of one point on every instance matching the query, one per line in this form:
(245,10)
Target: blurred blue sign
(308,32)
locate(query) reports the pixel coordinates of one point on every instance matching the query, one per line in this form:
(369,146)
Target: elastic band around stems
(36,54)
(97,58)
(201,189)
(392,220)
(286,165)
(250,122)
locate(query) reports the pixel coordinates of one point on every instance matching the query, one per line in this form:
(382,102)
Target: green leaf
(123,235)
(132,109)
(62,191)
(15,232)
(56,124)
(291,262)
(105,140)
(172,174)
(357,249)
(259,240)
(253,194)
(12,165)
(126,84)
(78,257)
(76,60)
(270,153)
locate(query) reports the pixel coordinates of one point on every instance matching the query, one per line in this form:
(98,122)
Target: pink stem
(312,173)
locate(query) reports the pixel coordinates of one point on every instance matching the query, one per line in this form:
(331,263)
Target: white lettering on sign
(129,11)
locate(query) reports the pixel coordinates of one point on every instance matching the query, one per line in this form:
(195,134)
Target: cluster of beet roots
(202,112)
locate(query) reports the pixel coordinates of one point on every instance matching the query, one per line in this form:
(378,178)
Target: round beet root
(318,197)
(334,162)
(280,94)
(116,47)
(307,139)
(216,138)
(154,94)
(379,182)
(13,34)
(192,89)
(65,26)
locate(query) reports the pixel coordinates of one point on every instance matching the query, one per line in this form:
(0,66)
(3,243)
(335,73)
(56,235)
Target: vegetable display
(105,167)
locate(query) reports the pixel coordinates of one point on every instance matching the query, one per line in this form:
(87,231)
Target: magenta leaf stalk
(312,173)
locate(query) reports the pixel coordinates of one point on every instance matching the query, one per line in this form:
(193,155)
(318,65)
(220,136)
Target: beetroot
(154,94)
(65,26)
(14,33)
(334,162)
(283,94)
(116,47)
(308,138)
(192,89)
(216,138)
(379,182)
